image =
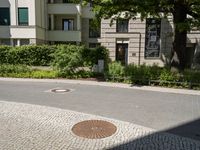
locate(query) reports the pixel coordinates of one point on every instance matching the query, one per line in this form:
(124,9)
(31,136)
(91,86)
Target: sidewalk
(25,126)
(108,84)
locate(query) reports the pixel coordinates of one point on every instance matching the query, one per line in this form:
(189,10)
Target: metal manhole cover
(94,129)
(60,90)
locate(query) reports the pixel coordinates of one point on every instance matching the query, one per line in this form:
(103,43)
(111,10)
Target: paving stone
(25,127)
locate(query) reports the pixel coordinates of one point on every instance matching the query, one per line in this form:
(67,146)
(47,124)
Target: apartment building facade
(25,22)
(145,42)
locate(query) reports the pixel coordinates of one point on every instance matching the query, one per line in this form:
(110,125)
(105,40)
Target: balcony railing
(64,8)
(60,35)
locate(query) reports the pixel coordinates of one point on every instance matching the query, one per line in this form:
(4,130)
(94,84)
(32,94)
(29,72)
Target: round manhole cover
(94,129)
(60,90)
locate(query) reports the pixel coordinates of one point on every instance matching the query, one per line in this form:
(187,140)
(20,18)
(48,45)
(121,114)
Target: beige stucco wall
(136,27)
(36,15)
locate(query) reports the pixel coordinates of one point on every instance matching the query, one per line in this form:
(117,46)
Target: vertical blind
(23,16)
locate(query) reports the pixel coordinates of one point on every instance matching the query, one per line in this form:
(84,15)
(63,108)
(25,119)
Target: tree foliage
(186,16)
(147,8)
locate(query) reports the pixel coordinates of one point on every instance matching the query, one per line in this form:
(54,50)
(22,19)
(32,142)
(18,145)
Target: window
(152,40)
(15,43)
(23,16)
(49,23)
(5,42)
(4,16)
(122,25)
(94,29)
(68,24)
(94,45)
(24,42)
(67,1)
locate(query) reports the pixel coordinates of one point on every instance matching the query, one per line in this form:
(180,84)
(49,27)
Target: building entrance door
(122,53)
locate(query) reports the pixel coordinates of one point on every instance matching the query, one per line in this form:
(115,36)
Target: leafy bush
(71,59)
(4,54)
(191,78)
(168,78)
(92,55)
(68,58)
(27,55)
(115,71)
(138,74)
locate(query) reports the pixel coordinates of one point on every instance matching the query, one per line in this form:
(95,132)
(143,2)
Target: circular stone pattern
(60,90)
(94,129)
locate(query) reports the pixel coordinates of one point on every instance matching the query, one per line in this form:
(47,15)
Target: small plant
(168,78)
(115,71)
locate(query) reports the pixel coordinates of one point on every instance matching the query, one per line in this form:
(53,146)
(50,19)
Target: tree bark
(178,61)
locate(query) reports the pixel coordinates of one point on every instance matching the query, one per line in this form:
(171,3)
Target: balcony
(17,32)
(64,8)
(65,36)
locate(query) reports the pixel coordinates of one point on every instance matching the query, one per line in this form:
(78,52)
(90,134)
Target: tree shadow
(182,137)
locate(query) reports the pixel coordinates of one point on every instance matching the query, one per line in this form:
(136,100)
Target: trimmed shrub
(4,54)
(31,55)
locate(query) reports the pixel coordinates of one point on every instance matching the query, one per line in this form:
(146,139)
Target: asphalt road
(174,113)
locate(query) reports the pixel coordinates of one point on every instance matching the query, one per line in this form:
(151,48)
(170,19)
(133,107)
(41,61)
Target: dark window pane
(24,42)
(68,24)
(5,42)
(23,16)
(4,16)
(94,45)
(122,25)
(68,1)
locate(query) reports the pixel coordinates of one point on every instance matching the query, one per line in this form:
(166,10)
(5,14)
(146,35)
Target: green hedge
(31,55)
(61,56)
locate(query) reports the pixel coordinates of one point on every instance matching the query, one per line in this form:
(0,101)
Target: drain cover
(60,90)
(94,129)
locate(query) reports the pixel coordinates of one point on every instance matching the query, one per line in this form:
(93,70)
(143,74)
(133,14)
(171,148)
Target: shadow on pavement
(183,137)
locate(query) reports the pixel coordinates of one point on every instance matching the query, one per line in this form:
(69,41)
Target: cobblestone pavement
(25,126)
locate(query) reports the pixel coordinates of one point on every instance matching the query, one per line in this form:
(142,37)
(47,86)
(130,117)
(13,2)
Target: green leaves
(70,59)
(146,8)
(27,55)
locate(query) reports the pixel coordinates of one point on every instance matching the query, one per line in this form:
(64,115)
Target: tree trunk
(178,61)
